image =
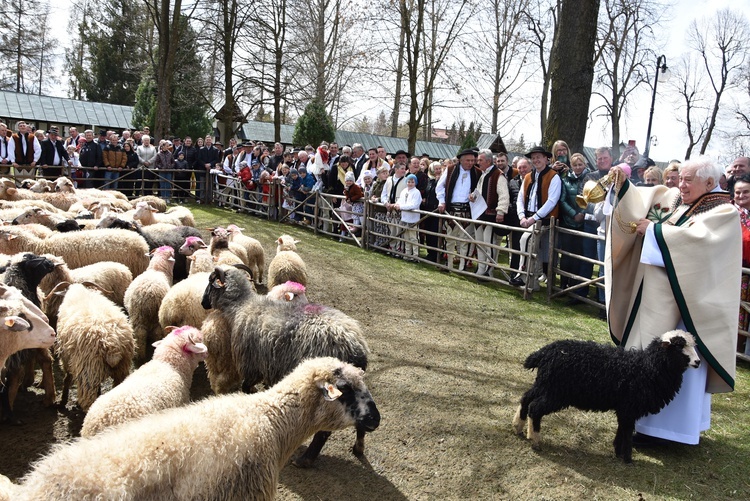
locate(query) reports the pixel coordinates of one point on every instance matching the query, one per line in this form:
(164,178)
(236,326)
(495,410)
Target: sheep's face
(187,340)
(219,238)
(32,215)
(227,287)
(22,326)
(347,388)
(684,341)
(191,245)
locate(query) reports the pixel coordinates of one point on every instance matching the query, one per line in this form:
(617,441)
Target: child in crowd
(73,165)
(367,184)
(307,181)
(409,201)
(293,184)
(181,164)
(353,207)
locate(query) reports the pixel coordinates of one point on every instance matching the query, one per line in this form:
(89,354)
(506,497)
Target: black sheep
(157,236)
(25,275)
(595,377)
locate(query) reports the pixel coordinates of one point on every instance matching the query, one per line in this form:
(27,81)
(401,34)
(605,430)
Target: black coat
(90,155)
(48,152)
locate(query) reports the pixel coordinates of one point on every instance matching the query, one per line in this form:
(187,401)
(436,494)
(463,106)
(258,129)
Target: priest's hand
(642,226)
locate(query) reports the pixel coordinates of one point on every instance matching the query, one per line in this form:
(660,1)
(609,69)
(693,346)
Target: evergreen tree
(145,102)
(469,142)
(111,73)
(382,125)
(314,125)
(453,134)
(461,132)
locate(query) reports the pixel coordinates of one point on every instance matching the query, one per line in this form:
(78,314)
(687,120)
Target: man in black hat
(452,191)
(537,201)
(53,154)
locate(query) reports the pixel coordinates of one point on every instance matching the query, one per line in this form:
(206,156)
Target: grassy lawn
(447,375)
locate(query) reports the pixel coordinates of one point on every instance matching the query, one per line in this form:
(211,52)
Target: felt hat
(538,149)
(468,151)
(401,152)
(54,130)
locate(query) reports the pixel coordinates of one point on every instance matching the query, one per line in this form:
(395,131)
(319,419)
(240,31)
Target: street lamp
(662,75)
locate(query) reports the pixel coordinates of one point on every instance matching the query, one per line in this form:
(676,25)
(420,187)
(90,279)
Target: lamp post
(662,75)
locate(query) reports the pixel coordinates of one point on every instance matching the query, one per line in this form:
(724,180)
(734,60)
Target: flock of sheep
(110,285)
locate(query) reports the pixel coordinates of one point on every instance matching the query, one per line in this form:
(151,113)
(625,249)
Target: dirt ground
(446,375)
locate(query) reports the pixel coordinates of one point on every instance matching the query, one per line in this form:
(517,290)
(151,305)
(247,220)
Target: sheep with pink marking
(162,383)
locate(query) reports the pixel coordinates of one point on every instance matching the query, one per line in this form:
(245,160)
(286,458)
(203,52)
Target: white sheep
(94,342)
(256,257)
(113,278)
(23,325)
(157,203)
(65,185)
(8,191)
(224,447)
(182,304)
(81,248)
(178,216)
(289,292)
(162,383)
(143,299)
(286,266)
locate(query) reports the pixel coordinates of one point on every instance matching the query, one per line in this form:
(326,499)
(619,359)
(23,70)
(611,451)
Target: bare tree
(688,83)
(264,58)
(722,43)
(167,17)
(327,49)
(227,22)
(443,27)
(623,56)
(497,58)
(542,19)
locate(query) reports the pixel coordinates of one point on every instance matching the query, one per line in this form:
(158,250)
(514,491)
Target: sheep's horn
(57,288)
(92,285)
(244,268)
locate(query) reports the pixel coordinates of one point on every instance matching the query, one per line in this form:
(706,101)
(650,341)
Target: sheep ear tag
(330,392)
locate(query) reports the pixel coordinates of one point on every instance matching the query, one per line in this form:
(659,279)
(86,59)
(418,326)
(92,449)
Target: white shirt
(409,201)
(553,196)
(7,150)
(461,190)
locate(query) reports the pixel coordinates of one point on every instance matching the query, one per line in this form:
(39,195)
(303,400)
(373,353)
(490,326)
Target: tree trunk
(169,29)
(397,96)
(572,73)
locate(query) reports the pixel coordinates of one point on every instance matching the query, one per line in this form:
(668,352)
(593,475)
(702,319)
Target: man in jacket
(53,156)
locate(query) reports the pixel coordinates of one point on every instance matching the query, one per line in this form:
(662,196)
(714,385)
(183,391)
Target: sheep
(162,383)
(157,203)
(23,324)
(113,278)
(157,235)
(225,251)
(223,447)
(94,341)
(286,266)
(256,257)
(147,215)
(143,299)
(25,273)
(65,185)
(37,230)
(590,376)
(81,248)
(8,191)
(23,204)
(288,291)
(266,339)
(182,304)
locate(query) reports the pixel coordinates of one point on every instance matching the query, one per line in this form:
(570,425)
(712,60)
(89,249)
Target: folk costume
(684,273)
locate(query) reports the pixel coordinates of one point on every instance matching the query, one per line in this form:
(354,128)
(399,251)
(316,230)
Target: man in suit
(358,159)
(28,151)
(53,155)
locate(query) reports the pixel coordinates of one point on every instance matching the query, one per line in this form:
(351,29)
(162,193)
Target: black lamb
(595,377)
(25,274)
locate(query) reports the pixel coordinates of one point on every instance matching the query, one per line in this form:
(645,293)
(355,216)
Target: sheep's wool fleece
(699,283)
